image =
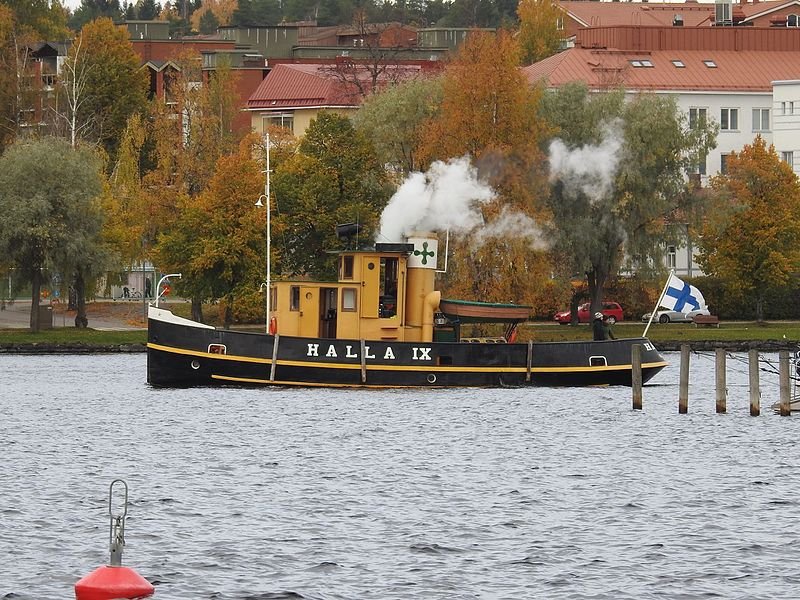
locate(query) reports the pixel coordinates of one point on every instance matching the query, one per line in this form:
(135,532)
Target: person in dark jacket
(600,330)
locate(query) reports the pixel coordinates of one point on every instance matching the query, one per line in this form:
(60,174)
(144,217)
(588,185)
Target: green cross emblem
(424,254)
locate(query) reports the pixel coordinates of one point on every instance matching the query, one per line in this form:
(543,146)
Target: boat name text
(418,353)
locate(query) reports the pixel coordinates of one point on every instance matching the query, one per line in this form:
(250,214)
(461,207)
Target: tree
(22,24)
(489,113)
(90,10)
(51,218)
(112,85)
(217,242)
(607,209)
(395,120)
(186,150)
(539,35)
(209,22)
(335,177)
(146,10)
(751,237)
(257,12)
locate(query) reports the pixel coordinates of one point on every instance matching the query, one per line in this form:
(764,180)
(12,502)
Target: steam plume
(589,169)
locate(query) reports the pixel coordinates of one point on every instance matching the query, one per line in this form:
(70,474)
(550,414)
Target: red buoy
(111,583)
(114,582)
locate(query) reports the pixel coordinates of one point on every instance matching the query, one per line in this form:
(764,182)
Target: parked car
(612,311)
(673,316)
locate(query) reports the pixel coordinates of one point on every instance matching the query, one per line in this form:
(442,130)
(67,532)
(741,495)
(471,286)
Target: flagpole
(658,302)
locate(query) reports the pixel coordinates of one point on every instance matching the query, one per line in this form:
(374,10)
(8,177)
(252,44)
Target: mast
(266,202)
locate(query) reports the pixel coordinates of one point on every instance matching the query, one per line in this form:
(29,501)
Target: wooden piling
(722,386)
(636,375)
(755,391)
(783,376)
(683,394)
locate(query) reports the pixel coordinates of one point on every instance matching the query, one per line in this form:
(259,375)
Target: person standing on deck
(600,330)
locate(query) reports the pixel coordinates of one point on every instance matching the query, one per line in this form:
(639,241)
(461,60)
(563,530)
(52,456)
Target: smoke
(514,224)
(448,196)
(590,169)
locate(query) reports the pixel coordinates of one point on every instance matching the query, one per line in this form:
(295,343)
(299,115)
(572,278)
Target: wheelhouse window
(346,268)
(388,292)
(729,119)
(760,119)
(349,300)
(294,298)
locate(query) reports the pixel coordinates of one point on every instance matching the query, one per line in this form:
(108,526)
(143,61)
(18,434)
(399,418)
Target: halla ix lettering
(417,352)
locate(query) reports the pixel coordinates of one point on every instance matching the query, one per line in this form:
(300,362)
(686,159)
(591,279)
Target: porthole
(195,364)
(371,266)
(431,378)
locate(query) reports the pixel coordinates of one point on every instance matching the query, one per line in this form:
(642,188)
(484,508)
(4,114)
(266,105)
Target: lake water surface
(332,494)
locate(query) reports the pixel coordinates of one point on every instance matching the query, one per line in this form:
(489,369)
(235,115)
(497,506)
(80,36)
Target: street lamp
(263,200)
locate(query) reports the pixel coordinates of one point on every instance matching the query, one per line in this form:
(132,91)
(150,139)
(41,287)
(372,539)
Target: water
(335,494)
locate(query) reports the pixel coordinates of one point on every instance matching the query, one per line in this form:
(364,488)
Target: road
(102,315)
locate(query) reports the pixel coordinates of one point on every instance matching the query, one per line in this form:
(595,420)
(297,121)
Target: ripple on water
(447,494)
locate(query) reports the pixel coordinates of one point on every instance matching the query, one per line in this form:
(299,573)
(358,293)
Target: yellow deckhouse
(381,294)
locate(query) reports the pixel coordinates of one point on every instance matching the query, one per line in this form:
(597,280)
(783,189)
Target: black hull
(181,355)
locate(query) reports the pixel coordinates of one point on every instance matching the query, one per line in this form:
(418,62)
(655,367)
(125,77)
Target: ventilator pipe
(430,306)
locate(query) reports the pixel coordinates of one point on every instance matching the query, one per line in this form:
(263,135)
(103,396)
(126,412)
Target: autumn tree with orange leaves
(489,113)
(751,238)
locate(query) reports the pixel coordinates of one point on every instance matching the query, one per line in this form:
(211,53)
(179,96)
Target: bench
(707,320)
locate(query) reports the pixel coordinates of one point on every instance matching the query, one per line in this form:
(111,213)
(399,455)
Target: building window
(729,119)
(672,257)
(723,164)
(294,298)
(560,23)
(348,300)
(285,120)
(791,108)
(710,64)
(697,117)
(783,108)
(792,21)
(760,119)
(678,64)
(788,158)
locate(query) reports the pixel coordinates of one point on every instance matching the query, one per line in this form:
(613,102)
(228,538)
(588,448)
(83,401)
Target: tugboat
(381,325)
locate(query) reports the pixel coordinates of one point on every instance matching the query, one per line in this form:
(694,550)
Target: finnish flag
(682,297)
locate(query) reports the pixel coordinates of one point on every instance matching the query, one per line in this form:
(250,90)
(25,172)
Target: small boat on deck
(381,324)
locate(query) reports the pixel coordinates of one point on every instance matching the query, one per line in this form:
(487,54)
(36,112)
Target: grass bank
(72,336)
(781,332)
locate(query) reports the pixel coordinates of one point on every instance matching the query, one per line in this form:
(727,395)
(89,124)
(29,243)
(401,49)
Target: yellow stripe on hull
(380,367)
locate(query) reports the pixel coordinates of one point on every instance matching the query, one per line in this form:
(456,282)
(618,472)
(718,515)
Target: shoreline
(663,346)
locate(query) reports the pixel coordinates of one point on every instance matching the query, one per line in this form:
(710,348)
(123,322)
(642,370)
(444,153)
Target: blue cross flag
(682,297)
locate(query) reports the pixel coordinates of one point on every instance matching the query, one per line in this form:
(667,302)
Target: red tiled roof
(314,85)
(608,14)
(734,71)
(758,9)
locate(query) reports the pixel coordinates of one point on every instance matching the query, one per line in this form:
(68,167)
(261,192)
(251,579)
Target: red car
(611,310)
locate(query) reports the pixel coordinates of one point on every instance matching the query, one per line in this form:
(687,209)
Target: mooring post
(722,386)
(683,394)
(755,391)
(636,375)
(783,376)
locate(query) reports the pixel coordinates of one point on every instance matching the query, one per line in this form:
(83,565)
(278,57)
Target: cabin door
(329,301)
(309,312)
